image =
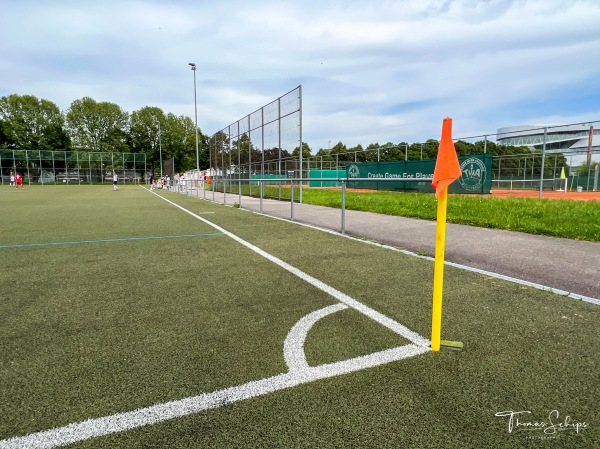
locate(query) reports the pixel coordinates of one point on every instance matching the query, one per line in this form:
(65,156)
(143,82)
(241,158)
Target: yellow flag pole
(438,272)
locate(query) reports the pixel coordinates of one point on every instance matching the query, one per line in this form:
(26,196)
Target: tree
(30,123)
(339,151)
(147,132)
(584,168)
(306,151)
(390,152)
(356,153)
(244,149)
(372,153)
(5,140)
(430,149)
(154,133)
(273,154)
(324,155)
(218,145)
(178,137)
(98,126)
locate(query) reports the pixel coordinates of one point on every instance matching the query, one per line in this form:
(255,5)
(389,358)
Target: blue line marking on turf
(22,245)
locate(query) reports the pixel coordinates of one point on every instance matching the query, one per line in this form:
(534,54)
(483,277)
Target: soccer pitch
(134,319)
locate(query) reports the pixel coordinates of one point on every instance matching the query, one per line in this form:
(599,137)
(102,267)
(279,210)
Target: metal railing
(190,187)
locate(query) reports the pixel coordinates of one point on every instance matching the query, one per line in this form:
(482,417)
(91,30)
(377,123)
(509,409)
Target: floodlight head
(192,65)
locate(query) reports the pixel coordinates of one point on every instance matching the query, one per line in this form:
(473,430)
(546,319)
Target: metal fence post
(260,183)
(300,199)
(292,202)
(224,188)
(29,175)
(589,156)
(343,206)
(542,165)
(41,165)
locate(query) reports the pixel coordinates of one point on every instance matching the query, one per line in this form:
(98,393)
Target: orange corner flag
(447,169)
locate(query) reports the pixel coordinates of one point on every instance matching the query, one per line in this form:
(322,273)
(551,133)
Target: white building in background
(571,140)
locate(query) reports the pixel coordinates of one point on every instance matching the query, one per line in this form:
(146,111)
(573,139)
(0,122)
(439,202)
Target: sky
(371,71)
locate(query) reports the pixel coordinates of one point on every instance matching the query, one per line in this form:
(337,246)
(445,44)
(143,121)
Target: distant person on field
(115,181)
(12,179)
(181,182)
(18,181)
(152,182)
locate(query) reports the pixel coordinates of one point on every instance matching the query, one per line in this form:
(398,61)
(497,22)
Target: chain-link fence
(71,167)
(261,142)
(524,158)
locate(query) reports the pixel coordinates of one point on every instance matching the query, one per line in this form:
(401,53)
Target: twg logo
(473,174)
(353,171)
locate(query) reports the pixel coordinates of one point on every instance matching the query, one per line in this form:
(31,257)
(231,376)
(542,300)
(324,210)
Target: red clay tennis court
(505,193)
(550,194)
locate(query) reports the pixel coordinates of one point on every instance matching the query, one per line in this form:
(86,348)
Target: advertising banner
(476,175)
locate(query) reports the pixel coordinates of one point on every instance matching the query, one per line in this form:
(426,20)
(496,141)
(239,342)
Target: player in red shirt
(18,181)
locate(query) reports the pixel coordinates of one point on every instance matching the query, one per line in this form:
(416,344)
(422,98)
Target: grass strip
(579,220)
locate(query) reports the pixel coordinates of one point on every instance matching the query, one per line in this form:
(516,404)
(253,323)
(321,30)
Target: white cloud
(371,71)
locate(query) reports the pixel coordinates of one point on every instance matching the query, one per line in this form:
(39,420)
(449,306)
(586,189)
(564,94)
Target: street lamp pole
(193,66)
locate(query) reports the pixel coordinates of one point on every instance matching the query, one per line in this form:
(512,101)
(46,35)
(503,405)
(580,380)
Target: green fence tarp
(476,175)
(326,174)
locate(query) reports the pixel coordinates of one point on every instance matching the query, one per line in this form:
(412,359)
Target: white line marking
(293,347)
(120,239)
(300,372)
(452,264)
(98,427)
(342,297)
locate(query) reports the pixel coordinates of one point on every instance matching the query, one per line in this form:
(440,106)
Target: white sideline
(299,370)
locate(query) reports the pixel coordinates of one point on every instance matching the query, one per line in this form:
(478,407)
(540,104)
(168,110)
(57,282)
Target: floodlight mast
(193,67)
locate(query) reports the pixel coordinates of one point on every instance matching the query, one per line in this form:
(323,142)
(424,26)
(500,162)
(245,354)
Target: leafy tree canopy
(97,126)
(32,123)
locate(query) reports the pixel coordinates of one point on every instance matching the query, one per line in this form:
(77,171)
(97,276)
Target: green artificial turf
(92,329)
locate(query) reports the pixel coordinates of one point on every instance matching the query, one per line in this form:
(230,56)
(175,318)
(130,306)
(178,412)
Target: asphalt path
(571,266)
